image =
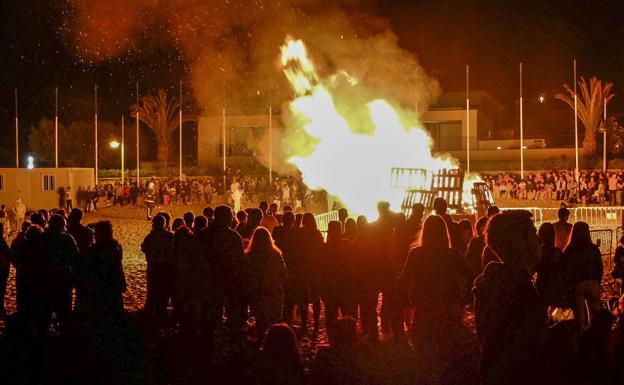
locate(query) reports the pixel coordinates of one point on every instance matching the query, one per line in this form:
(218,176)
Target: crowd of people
(242,289)
(593,187)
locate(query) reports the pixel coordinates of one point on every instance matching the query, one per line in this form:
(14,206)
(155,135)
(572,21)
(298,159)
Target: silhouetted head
(361,222)
(580,237)
(263,206)
(383,208)
(177,223)
(418,210)
(208,212)
(223,216)
(288,219)
(45,214)
(512,237)
(273,208)
(343,214)
(480,226)
(440,206)
(34,232)
(241,216)
(308,221)
(466,229)
(61,212)
(75,216)
(434,235)
(255,217)
(350,228)
(298,220)
(167,217)
(103,232)
(563,214)
(281,344)
(57,223)
(492,210)
(159,222)
(288,209)
(546,235)
(261,241)
(200,223)
(25,226)
(334,231)
(188,219)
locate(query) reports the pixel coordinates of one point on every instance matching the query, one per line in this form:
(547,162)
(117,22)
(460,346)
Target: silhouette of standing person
(582,271)
(562,228)
(158,249)
(5,268)
(549,281)
(508,312)
(266,278)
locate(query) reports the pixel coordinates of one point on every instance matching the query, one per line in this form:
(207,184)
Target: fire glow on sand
(348,146)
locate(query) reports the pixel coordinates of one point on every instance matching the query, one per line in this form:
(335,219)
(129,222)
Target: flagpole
(180,130)
(123,139)
(96,136)
(270,143)
(521,130)
(604,138)
(467,119)
(224,154)
(576,148)
(56,127)
(138,165)
(16,133)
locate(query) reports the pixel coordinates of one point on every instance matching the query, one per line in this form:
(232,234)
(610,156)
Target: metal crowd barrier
(322,220)
(538,216)
(604,240)
(605,216)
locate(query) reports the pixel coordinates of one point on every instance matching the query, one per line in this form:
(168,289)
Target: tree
(41,141)
(159,114)
(590,103)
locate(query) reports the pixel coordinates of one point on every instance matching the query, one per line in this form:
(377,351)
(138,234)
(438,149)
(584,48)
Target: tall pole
(576,148)
(270,143)
(180,130)
(521,130)
(96,136)
(16,133)
(604,138)
(467,120)
(138,165)
(224,154)
(56,127)
(123,153)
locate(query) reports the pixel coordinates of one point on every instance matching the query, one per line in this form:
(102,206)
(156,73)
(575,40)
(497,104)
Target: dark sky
(491,36)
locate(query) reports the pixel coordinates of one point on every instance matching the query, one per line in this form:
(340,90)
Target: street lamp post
(115,145)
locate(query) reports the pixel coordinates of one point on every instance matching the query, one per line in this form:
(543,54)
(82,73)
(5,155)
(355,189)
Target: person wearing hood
(508,312)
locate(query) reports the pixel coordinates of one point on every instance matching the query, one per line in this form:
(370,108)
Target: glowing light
(334,152)
(542,98)
(115,144)
(499,148)
(30,162)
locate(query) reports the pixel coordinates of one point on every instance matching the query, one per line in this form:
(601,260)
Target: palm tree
(159,114)
(590,103)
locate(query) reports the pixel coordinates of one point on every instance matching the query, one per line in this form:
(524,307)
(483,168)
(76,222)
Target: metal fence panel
(604,240)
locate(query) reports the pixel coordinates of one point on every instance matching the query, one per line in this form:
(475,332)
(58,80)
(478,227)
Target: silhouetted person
(440,206)
(158,249)
(492,210)
(618,264)
(343,214)
(188,219)
(350,229)
(280,362)
(562,228)
(150,202)
(582,271)
(106,278)
(208,212)
(337,267)
(64,257)
(38,219)
(253,221)
(5,268)
(82,234)
(222,250)
(17,247)
(268,218)
(508,313)
(475,250)
(549,282)
(266,279)
(383,264)
(304,270)
(241,217)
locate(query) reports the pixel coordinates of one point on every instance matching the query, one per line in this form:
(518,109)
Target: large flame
(348,162)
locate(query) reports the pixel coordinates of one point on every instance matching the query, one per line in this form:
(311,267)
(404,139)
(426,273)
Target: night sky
(39,54)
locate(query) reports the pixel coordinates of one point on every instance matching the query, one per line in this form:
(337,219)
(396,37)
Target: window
(447,136)
(48,182)
(1,182)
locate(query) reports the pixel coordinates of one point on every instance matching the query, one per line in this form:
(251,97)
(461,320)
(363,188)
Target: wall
(27,185)
(445,115)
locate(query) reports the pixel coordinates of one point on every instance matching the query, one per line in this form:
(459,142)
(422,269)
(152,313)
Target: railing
(604,240)
(322,220)
(602,216)
(538,216)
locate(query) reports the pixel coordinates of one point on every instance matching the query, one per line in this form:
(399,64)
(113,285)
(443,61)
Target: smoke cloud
(232,47)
